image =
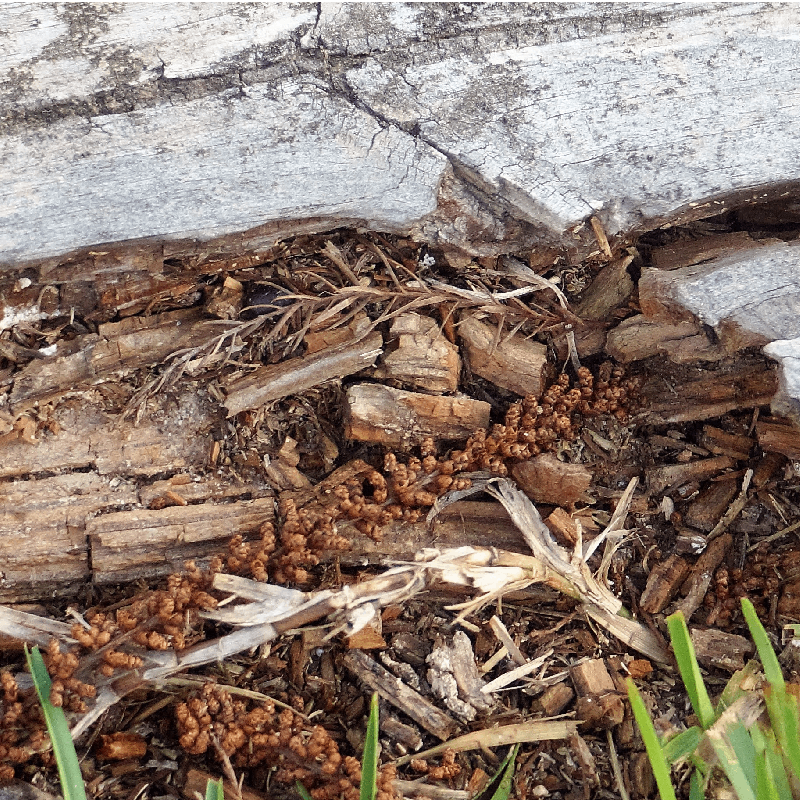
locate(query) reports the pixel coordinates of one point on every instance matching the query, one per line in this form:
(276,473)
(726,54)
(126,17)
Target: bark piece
(720,649)
(611,288)
(172,436)
(516,363)
(129,545)
(197,489)
(118,347)
(698,582)
(395,692)
(686,252)
(663,583)
(563,527)
(398,418)
(555,699)
(675,475)
(750,297)
(298,374)
(423,358)
(599,704)
(704,512)
(545,479)
(682,342)
(589,341)
(766,468)
(779,436)
(672,393)
(43,550)
(720,442)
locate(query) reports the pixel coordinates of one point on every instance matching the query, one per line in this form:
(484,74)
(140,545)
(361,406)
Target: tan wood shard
(398,418)
(298,374)
(514,363)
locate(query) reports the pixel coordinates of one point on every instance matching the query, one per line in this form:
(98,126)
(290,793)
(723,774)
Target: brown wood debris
(418,356)
(129,545)
(118,347)
(720,649)
(545,479)
(599,704)
(396,417)
(673,393)
(401,696)
(514,363)
(663,583)
(779,436)
(675,475)
(296,375)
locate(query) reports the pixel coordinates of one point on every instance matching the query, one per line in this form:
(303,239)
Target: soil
(281,450)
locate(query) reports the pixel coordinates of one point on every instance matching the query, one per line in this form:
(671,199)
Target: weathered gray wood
(471,126)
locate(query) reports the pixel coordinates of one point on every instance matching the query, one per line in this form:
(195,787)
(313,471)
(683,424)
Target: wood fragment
(368,638)
(399,418)
(117,347)
(563,527)
(130,545)
(776,435)
(766,469)
(686,252)
(675,475)
(699,580)
(672,393)
(514,363)
(611,288)
(722,443)
(663,583)
(398,694)
(545,479)
(735,507)
(721,650)
(200,489)
(598,705)
(298,374)
(705,510)
(422,358)
(555,699)
(43,548)
(88,437)
(638,337)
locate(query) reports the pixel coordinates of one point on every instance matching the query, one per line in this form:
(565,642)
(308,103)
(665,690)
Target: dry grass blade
(539,730)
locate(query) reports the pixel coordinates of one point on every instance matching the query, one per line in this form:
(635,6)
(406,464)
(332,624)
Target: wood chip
(516,363)
(777,435)
(398,418)
(298,374)
(697,584)
(720,649)
(545,479)
(598,705)
(419,356)
(663,583)
(130,545)
(398,694)
(675,475)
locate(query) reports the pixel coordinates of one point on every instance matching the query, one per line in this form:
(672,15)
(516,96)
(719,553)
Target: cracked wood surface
(468,126)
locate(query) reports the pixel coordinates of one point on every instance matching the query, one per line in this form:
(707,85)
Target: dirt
(290,445)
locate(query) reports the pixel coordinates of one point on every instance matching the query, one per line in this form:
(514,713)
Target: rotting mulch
(274,688)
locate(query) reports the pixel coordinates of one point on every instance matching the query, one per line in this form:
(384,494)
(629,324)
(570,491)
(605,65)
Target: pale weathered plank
(473,126)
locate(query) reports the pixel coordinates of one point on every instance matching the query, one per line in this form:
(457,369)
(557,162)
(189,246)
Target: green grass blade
(733,770)
(683,745)
(214,790)
(69,770)
(696,789)
(302,791)
(503,789)
(772,669)
(744,750)
(661,769)
(766,744)
(690,670)
(369,762)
